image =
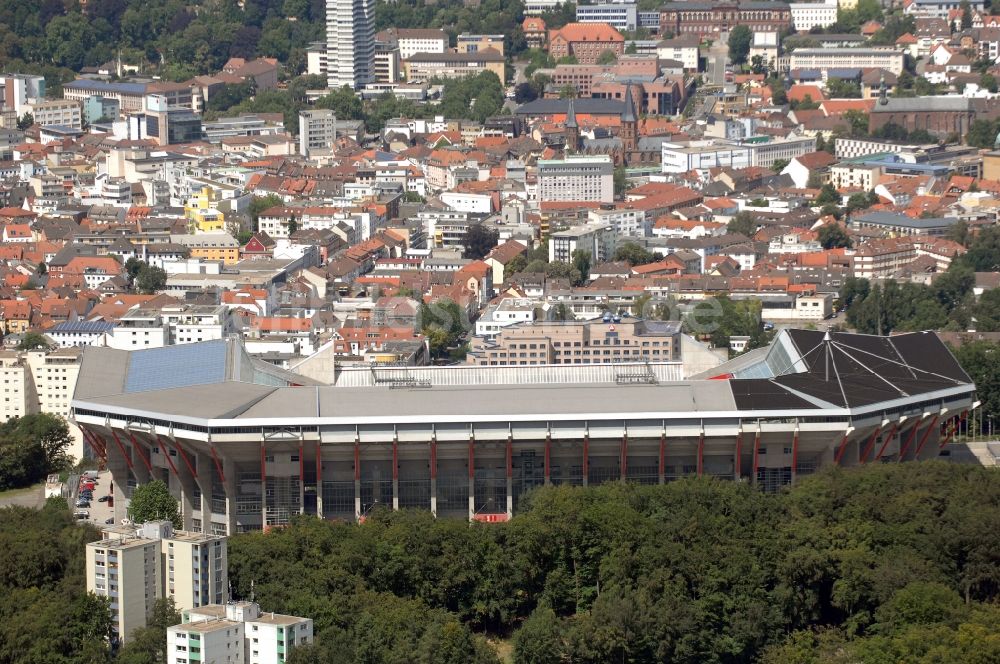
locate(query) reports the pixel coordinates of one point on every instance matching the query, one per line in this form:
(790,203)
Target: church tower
(630,123)
(572,130)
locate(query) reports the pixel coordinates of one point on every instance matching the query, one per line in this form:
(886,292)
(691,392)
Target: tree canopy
(152,501)
(31,447)
(697,570)
(740,38)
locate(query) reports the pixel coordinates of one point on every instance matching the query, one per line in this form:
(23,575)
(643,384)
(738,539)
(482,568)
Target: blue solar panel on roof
(176,366)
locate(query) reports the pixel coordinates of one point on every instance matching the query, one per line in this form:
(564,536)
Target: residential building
(683,49)
(135,565)
(317,131)
(534,32)
(847,58)
(468,43)
(576,178)
(509,311)
(809,15)
(210,246)
(421,67)
(202,210)
(600,341)
(170,125)
(350,43)
(17,91)
(237,633)
(598,241)
(98,108)
(619,15)
(712,18)
(941,8)
(411,41)
(585,41)
(57,112)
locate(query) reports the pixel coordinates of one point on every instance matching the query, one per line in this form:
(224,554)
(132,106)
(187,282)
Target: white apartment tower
(350,43)
(236,633)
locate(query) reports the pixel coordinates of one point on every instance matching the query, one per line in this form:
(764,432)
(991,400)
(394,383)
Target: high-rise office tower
(350,43)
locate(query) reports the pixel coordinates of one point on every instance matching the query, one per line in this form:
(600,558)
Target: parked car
(81,515)
(104,499)
(109,522)
(83,503)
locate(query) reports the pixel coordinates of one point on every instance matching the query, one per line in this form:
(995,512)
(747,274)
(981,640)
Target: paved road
(716,58)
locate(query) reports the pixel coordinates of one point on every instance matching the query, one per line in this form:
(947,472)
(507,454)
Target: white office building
(599,241)
(621,16)
(134,566)
(576,178)
(681,157)
(236,633)
(809,15)
(350,42)
(317,131)
(847,58)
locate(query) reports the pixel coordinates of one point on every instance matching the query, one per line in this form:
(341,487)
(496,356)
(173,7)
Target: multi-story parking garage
(244,445)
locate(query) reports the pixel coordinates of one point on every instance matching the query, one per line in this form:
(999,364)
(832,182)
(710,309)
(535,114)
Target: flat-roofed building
(237,632)
(847,58)
(421,67)
(619,15)
(576,178)
(136,565)
(601,341)
(58,112)
(469,43)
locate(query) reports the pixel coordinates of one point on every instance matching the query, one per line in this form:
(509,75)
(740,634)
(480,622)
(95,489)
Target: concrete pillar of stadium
(433,467)
(509,454)
(395,473)
(263,485)
(472,478)
(140,455)
(319,478)
(357,481)
(229,486)
(203,465)
(119,471)
(186,481)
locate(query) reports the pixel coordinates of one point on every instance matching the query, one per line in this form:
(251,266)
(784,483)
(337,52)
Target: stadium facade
(244,445)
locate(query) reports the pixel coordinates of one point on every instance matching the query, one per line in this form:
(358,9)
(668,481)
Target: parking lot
(99,512)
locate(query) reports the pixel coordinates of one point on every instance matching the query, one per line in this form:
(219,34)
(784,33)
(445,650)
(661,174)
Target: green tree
(479,241)
(843,89)
(740,38)
(442,322)
(259,204)
(540,639)
(25,121)
(33,340)
(983,133)
(345,104)
(632,254)
(779,165)
(988,82)
(151,279)
(857,122)
(833,236)
(966,14)
(582,263)
(828,194)
(152,502)
(147,645)
(744,223)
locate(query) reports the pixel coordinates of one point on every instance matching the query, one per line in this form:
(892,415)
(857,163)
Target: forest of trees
(902,560)
(31,447)
(888,563)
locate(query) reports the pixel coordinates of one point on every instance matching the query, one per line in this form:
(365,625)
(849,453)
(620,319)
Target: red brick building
(709,18)
(585,41)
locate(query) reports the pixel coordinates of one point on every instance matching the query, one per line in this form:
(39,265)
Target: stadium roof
(803,373)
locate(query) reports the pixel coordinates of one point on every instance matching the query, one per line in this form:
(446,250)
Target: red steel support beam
(885,442)
(795,452)
(121,447)
(888,439)
(96,443)
(218,463)
(140,452)
(319,468)
(841,449)
(187,462)
(737,462)
(909,439)
(958,424)
(663,455)
(756,456)
(871,444)
(701,453)
(624,457)
(548,457)
(923,439)
(166,454)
